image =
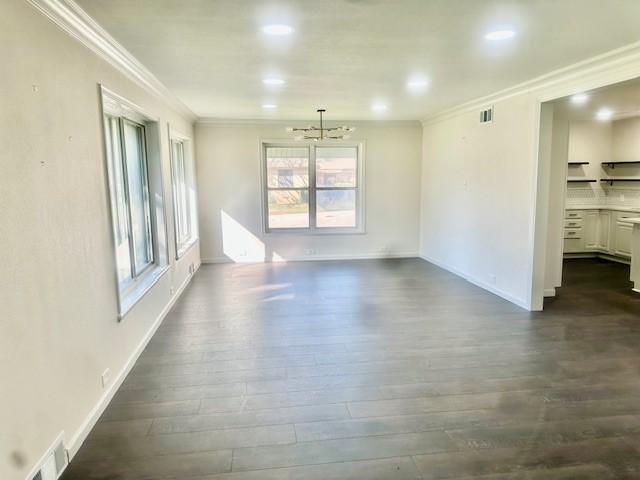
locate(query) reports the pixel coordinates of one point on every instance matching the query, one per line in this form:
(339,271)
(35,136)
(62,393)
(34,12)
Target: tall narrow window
(182,196)
(134,168)
(126,153)
(315,188)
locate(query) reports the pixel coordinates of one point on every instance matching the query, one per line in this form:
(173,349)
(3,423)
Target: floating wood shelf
(575,164)
(613,164)
(611,181)
(581,180)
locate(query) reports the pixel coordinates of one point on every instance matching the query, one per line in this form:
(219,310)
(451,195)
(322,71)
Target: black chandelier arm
(322,130)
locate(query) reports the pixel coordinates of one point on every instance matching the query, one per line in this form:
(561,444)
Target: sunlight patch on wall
(238,243)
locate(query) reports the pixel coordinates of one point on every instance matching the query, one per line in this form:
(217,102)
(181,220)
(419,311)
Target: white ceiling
(622,99)
(346,54)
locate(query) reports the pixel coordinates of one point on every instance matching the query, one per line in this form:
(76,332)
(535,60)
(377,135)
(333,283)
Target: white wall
(590,141)
(557,181)
(476,196)
(626,140)
(496,225)
(228,156)
(58,328)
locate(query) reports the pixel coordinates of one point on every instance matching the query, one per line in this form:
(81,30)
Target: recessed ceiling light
(604,114)
(500,35)
(273,81)
(379,107)
(269,106)
(579,98)
(417,83)
(277,29)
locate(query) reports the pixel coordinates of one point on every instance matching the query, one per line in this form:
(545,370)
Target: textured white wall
(58,327)
(228,156)
(626,140)
(476,196)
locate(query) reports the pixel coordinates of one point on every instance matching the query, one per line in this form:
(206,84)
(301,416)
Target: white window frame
(183,245)
(312,229)
(129,292)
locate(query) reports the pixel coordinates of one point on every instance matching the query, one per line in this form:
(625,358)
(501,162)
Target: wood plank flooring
(378,370)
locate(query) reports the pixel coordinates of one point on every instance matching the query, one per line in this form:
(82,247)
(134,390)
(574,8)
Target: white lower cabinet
(623,234)
(598,231)
(604,227)
(591,229)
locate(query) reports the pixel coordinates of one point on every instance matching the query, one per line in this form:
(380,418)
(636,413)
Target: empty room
(332,240)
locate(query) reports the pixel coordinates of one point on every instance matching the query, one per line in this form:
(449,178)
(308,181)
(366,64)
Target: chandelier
(321,133)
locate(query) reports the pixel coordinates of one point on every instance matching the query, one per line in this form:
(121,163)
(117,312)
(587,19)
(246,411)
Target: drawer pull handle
(571,233)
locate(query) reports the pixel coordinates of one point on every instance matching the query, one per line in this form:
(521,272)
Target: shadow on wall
(242,246)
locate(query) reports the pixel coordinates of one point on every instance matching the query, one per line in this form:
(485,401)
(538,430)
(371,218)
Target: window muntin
(126,156)
(312,188)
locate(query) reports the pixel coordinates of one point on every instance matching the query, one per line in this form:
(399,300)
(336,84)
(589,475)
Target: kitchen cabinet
(593,231)
(590,229)
(623,232)
(604,226)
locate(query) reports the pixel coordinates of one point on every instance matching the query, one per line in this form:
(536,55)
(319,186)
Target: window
(183,194)
(313,188)
(134,180)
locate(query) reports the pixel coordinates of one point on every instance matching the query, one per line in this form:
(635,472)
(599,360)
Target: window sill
(129,299)
(180,251)
(320,232)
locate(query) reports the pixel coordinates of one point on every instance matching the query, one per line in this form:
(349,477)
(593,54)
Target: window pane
(138,195)
(336,208)
(180,193)
(287,167)
(336,166)
(288,208)
(118,199)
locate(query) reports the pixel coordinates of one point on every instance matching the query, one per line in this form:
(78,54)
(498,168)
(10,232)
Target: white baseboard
(549,292)
(82,433)
(312,258)
(486,286)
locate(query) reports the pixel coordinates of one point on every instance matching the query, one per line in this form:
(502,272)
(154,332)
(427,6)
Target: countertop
(603,207)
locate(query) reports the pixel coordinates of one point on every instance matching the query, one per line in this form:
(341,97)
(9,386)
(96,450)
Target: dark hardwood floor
(379,370)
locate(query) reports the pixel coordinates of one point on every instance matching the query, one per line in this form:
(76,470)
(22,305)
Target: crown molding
(71,18)
(286,123)
(605,69)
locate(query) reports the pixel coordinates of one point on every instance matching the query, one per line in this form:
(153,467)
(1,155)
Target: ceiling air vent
(486,116)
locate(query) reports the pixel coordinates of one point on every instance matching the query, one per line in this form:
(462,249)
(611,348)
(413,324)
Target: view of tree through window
(336,182)
(296,200)
(288,184)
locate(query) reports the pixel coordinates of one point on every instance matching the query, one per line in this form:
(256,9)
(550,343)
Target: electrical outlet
(171,290)
(492,279)
(106,377)
(310,251)
(622,197)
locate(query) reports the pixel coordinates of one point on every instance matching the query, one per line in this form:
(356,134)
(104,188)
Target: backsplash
(603,196)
